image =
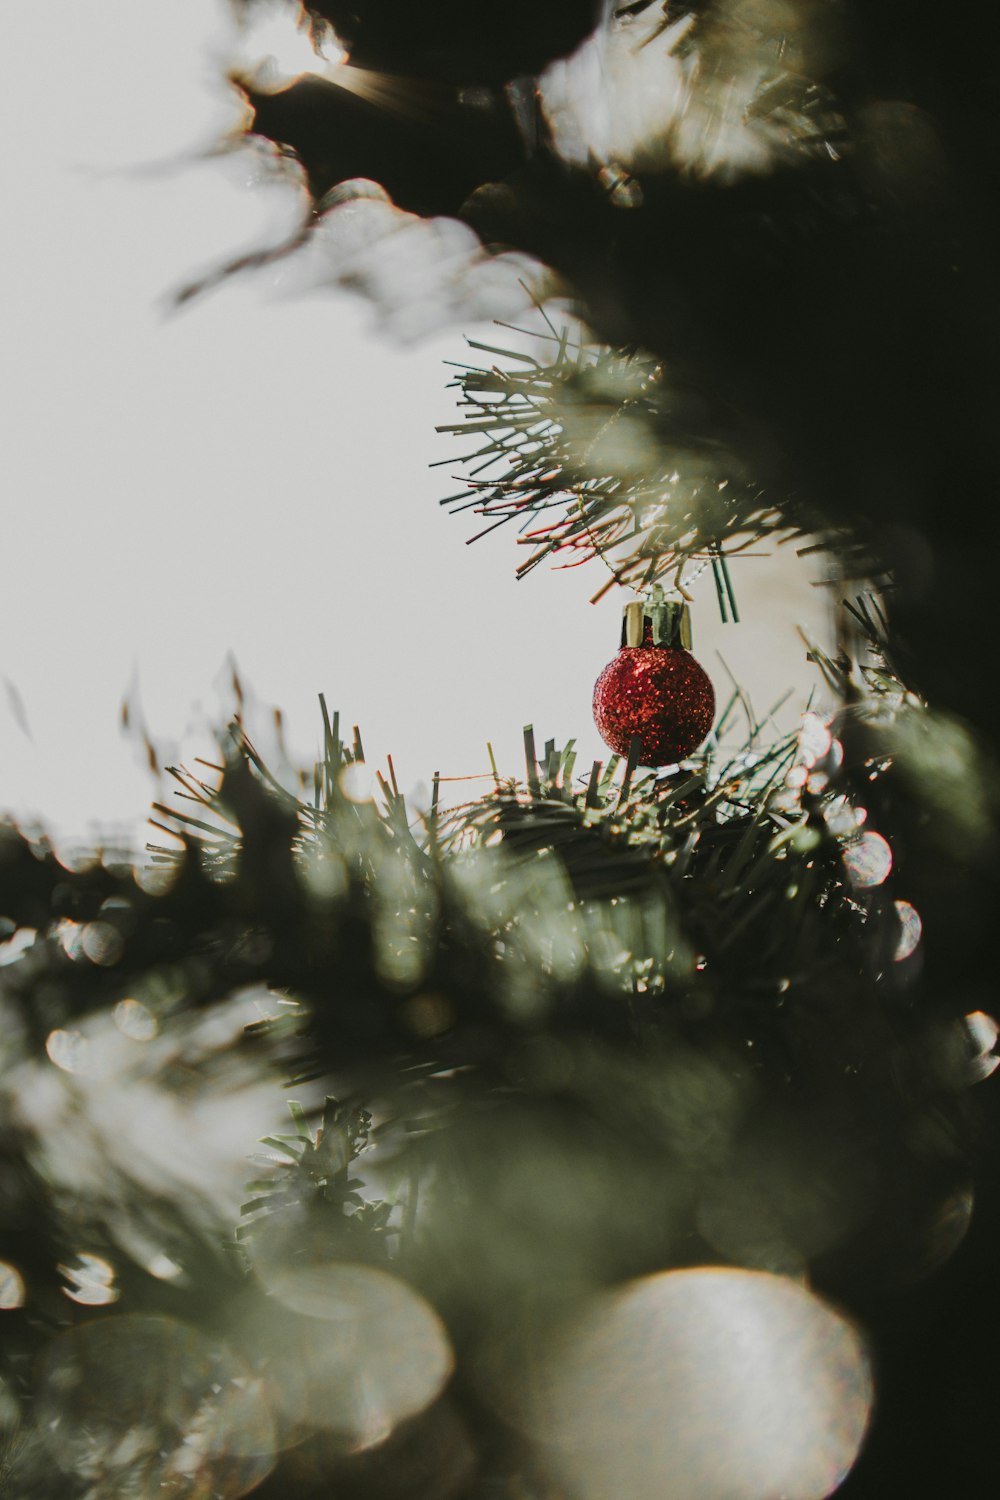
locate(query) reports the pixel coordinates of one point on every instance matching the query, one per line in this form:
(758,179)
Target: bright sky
(249,476)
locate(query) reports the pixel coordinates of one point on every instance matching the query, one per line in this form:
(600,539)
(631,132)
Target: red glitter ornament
(654,688)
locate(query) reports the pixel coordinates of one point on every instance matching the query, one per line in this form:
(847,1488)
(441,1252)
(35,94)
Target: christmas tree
(614,1133)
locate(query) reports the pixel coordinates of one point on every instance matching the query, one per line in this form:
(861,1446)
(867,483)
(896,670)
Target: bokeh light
(135,1020)
(102,943)
(704,1384)
(12,1288)
(90,1281)
(910,930)
(276,47)
(815,739)
(350,1349)
(983,1032)
(143,1405)
(18,943)
(699,95)
(868,860)
(111,1123)
(69,1050)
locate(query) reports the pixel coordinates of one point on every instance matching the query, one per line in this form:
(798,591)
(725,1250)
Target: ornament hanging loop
(656,621)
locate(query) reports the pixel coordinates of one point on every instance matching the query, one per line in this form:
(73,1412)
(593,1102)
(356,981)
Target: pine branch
(655,971)
(596,452)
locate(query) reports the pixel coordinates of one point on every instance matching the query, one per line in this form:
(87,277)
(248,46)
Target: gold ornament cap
(667,620)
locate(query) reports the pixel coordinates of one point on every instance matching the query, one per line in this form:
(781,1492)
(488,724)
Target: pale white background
(249,476)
